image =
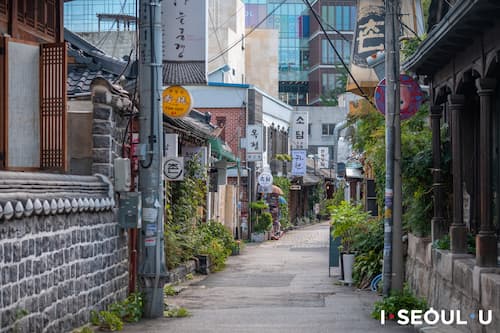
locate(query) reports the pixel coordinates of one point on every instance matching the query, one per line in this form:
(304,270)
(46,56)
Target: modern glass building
(308,65)
(100,15)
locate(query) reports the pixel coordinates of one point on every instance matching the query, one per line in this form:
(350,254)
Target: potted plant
(345,219)
(261,220)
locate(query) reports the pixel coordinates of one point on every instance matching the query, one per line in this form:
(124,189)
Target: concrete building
(308,66)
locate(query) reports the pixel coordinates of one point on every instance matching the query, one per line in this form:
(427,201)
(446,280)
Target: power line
(330,26)
(336,52)
(248,33)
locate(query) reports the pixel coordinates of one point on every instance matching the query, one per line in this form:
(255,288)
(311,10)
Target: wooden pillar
(486,241)
(458,229)
(438,224)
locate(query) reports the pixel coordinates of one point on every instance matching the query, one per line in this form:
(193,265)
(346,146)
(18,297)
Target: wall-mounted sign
(173,169)
(184,24)
(300,126)
(176,102)
(324,157)
(171,144)
(299,163)
(254,143)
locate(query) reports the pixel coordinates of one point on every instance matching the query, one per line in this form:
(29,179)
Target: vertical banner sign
(254,143)
(184,25)
(324,157)
(368,39)
(300,127)
(171,145)
(299,165)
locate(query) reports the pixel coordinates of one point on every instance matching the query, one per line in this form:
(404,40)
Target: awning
(220,151)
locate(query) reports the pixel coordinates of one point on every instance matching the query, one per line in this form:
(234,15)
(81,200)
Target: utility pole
(391,121)
(397,232)
(152,270)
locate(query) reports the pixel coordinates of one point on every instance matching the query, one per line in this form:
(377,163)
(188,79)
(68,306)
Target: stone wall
(452,282)
(61,251)
(110,107)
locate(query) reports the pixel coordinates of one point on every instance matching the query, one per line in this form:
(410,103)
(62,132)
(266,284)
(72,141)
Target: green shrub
(397,301)
(169,290)
(264,222)
(368,243)
(176,313)
(106,320)
(215,240)
(346,220)
(444,243)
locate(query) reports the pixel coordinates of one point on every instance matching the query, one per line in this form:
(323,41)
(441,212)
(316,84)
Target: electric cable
(248,33)
(122,11)
(407,27)
(337,53)
(331,26)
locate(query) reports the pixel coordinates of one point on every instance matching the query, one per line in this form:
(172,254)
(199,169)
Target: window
(339,17)
(3,7)
(330,81)
(327,129)
(221,122)
(40,15)
(328,55)
(309,129)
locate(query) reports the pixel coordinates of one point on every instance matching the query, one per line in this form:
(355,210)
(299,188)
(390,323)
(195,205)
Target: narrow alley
(278,286)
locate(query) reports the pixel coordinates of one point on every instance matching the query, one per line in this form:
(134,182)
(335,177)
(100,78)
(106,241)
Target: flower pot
(203,263)
(347,263)
(257,237)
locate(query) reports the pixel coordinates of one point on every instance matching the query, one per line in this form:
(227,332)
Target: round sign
(265,179)
(410,93)
(173,169)
(176,102)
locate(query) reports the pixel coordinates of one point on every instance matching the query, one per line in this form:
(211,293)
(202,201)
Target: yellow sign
(176,102)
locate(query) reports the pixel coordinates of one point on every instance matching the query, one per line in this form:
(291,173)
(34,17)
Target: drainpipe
(336,135)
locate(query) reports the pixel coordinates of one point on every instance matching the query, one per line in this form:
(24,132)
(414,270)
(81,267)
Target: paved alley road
(278,286)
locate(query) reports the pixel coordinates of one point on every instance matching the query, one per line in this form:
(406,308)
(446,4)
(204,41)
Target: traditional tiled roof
(90,63)
(79,79)
(184,73)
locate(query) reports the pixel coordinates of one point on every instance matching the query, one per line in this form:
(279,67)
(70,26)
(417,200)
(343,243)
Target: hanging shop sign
(299,166)
(254,143)
(300,127)
(176,102)
(265,179)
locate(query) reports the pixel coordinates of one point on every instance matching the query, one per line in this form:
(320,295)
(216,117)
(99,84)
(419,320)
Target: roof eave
(423,53)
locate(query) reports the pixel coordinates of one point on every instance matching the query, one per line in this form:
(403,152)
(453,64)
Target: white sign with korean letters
(300,127)
(324,157)
(254,142)
(299,162)
(184,25)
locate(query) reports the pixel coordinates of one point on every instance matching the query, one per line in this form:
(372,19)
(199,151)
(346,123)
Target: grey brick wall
(58,263)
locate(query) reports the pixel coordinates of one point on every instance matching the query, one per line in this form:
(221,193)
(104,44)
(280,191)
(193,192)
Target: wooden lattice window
(38,14)
(53,106)
(29,13)
(4,7)
(21,8)
(51,17)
